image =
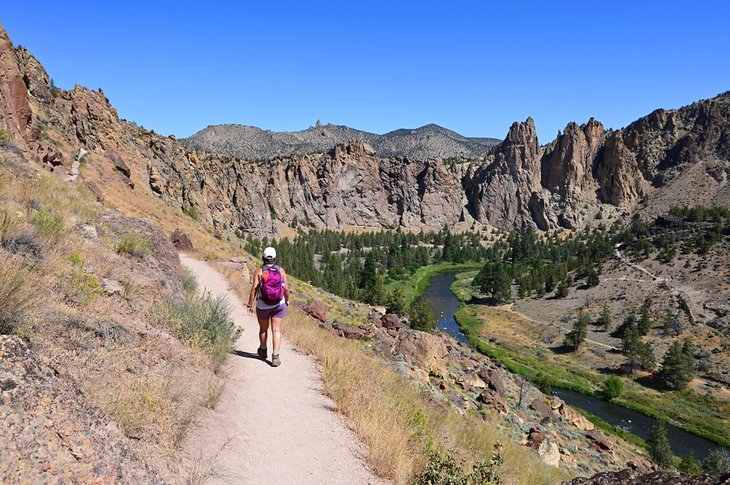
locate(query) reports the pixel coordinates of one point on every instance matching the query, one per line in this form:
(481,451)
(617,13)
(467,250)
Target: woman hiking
(271,291)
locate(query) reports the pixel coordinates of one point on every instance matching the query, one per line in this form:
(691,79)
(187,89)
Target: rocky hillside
(251,143)
(668,157)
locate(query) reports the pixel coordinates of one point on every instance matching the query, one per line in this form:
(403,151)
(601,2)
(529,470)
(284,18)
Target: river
(445,304)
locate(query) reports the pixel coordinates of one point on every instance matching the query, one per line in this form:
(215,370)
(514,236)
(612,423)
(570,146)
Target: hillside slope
(251,143)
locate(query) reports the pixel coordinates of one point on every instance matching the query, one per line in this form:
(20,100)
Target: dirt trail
(272,425)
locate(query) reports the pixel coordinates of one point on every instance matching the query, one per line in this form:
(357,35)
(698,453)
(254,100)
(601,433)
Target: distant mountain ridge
(252,143)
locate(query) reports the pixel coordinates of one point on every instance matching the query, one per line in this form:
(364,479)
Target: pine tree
(494,281)
(678,365)
(578,334)
(421,315)
(639,354)
(396,302)
(604,320)
(645,322)
(659,449)
(592,279)
(690,465)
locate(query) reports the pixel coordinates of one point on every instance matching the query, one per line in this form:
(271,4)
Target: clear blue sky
(474,67)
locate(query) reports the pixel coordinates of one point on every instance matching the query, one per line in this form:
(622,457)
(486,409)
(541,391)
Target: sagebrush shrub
(134,245)
(205,321)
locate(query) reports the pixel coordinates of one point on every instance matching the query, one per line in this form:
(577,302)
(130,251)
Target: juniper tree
(421,315)
(690,465)
(578,334)
(659,450)
(678,365)
(604,319)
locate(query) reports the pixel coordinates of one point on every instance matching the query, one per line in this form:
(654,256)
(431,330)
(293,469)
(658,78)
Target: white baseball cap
(269,253)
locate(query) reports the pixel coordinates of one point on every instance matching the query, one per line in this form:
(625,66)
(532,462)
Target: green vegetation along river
(446,304)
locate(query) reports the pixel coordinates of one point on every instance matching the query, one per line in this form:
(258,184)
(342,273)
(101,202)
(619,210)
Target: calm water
(445,304)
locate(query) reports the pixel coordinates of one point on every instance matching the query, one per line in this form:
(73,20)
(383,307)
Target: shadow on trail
(250,355)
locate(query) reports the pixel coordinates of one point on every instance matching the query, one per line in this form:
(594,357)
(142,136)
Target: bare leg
(263,332)
(276,333)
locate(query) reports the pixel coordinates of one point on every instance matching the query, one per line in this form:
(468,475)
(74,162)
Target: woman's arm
(286,287)
(254,287)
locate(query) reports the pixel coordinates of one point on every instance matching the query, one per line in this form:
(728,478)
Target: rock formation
(517,184)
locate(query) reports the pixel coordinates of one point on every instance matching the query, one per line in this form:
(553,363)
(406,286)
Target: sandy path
(272,425)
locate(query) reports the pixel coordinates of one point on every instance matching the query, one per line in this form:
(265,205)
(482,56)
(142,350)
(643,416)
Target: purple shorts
(278,311)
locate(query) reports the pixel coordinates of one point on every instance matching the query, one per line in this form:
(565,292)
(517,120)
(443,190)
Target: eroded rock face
(15,111)
(517,184)
(51,434)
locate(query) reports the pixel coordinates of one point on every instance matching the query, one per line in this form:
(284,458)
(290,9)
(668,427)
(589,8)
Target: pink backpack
(271,289)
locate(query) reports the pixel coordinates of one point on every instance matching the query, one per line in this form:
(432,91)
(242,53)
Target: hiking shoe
(275,360)
(262,353)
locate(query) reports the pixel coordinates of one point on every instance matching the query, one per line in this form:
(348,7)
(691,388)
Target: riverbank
(516,342)
(415,285)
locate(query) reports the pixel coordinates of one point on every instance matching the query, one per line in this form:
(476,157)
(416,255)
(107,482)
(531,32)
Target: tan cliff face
(518,184)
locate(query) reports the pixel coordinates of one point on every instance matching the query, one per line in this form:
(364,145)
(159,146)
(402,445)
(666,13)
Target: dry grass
(18,293)
(396,420)
(153,386)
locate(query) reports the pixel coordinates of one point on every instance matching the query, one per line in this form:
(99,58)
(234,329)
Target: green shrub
(189,282)
(192,212)
(5,136)
(443,469)
(75,259)
(17,295)
(134,245)
(690,465)
(613,387)
(48,224)
(79,286)
(716,462)
(206,322)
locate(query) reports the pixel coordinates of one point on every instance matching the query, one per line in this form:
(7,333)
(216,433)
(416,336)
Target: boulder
(549,452)
(156,183)
(493,380)
(575,418)
(424,350)
(181,241)
(644,477)
(490,399)
(316,309)
(94,189)
(555,403)
(350,332)
(390,321)
(52,158)
(120,165)
(472,381)
(599,440)
(111,287)
(88,231)
(50,432)
(542,409)
(535,438)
